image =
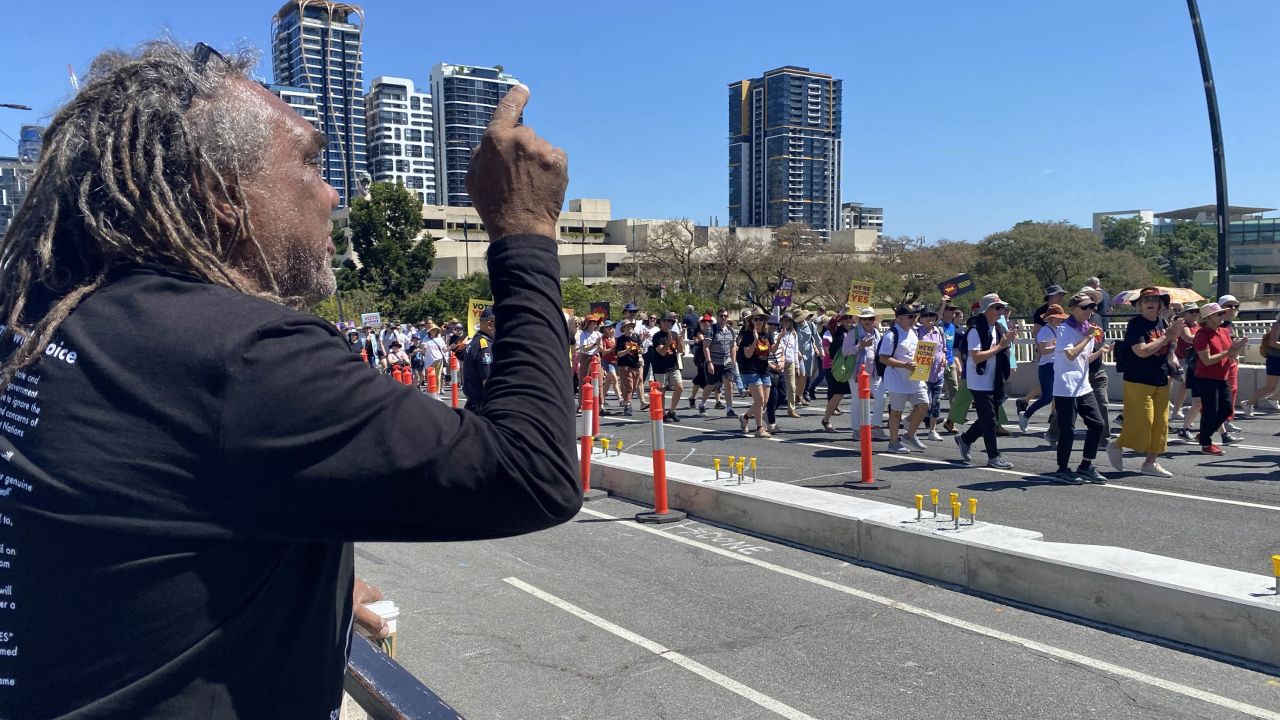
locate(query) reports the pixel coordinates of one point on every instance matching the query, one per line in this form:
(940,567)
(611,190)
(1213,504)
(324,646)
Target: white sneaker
(1023,420)
(914,442)
(934,436)
(1178,414)
(1270,404)
(1231,427)
(898,448)
(1247,409)
(1154,470)
(1115,454)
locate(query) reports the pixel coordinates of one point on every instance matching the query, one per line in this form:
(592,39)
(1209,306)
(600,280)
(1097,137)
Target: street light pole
(1219,155)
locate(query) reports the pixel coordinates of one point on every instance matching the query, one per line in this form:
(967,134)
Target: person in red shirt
(1214,351)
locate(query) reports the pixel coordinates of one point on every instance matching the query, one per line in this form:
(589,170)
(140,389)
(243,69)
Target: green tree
(579,296)
(1190,247)
(394,262)
(1128,234)
(354,302)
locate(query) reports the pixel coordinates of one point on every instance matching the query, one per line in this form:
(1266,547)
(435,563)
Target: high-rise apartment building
(402,138)
(464,98)
(15,174)
(856,216)
(30,140)
(316,47)
(303,101)
(785,150)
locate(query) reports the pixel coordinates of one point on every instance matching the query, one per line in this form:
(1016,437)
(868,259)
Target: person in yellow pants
(1149,339)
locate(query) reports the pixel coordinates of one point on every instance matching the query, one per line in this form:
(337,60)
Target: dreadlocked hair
(133,170)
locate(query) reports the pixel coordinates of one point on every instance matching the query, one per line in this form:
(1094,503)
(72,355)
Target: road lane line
(1033,645)
(775,706)
(918,457)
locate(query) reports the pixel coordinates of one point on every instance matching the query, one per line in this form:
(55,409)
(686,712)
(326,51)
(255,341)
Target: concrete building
(30,140)
(316,46)
(461,240)
(14,176)
(785,150)
(402,137)
(856,216)
(464,98)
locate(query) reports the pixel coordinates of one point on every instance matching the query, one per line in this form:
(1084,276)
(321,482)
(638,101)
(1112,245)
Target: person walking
(1052,296)
(608,364)
(628,350)
(777,371)
(986,371)
(721,368)
(1185,353)
(789,347)
(1230,308)
(930,331)
(1214,347)
(1147,345)
(668,345)
(1271,351)
(897,352)
(806,341)
(860,343)
(753,363)
(1077,344)
(1046,345)
(700,346)
(834,338)
(588,346)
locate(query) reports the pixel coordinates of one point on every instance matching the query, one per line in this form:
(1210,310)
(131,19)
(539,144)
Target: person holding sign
(932,353)
(897,353)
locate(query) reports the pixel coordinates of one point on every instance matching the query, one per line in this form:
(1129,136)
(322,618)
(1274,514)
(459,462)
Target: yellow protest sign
(923,360)
(859,296)
(474,308)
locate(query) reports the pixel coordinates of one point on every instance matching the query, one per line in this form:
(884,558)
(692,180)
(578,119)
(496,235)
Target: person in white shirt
(435,351)
(588,345)
(987,367)
(1079,342)
(790,342)
(1046,344)
(897,353)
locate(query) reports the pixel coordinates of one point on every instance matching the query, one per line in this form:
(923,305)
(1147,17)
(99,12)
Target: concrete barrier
(1222,610)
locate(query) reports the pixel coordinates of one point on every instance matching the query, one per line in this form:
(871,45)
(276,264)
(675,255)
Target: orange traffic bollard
(661,513)
(586,446)
(453,380)
(433,383)
(395,374)
(868,482)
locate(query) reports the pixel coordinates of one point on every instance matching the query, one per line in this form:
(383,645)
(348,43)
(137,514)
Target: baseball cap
(867,312)
(927,311)
(630,307)
(1055,311)
(707,318)
(1053,290)
(486,313)
(908,309)
(989,300)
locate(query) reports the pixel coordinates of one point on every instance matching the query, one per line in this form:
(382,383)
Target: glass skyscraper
(316,47)
(402,138)
(785,150)
(464,97)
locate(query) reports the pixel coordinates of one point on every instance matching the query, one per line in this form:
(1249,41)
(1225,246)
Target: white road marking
(917,457)
(775,706)
(1033,645)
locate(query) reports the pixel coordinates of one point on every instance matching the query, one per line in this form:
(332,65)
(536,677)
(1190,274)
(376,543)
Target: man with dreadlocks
(186,477)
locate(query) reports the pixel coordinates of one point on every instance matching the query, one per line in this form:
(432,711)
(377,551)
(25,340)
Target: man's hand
(364,617)
(517,180)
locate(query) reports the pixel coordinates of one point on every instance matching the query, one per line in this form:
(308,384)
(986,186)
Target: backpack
(1121,353)
(879,365)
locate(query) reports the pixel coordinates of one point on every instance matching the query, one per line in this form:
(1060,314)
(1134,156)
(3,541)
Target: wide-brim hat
(867,312)
(1082,299)
(927,311)
(989,301)
(1209,309)
(1190,307)
(1155,292)
(1053,290)
(669,317)
(1054,311)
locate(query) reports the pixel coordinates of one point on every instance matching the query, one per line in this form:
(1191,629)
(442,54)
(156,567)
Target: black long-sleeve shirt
(184,474)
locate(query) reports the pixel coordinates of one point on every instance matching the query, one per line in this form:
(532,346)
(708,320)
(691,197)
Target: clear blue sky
(959,118)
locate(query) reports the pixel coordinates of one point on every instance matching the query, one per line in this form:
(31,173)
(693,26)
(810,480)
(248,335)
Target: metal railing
(385,690)
(1024,350)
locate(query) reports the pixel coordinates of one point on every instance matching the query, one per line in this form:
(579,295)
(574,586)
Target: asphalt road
(1222,511)
(603,618)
